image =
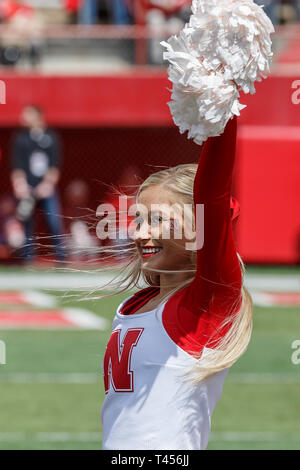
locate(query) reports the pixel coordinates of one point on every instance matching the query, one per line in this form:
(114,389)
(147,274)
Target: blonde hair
(179,180)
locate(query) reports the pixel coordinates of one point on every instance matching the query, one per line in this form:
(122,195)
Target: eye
(156,219)
(138,220)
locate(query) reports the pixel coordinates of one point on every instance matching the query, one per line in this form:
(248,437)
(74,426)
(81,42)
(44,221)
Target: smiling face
(158,245)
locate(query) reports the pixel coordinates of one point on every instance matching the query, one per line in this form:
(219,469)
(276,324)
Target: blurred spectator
(174,13)
(88,12)
(120,11)
(274,9)
(36,162)
(81,243)
(23,32)
(290,11)
(72,8)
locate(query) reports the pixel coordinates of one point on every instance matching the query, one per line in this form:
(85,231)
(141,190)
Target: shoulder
(192,327)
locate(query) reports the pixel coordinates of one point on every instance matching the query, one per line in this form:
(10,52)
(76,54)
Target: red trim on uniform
(138,300)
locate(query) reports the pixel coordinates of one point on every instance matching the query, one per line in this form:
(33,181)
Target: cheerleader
(173,342)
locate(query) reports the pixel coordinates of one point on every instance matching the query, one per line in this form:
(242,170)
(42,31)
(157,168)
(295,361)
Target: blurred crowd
(121,12)
(88,12)
(25,20)
(281,11)
(125,11)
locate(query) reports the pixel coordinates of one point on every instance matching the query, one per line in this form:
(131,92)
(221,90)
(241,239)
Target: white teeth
(151,250)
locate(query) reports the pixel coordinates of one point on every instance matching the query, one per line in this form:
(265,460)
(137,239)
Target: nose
(142,232)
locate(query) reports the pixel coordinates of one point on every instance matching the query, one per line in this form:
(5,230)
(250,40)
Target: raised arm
(206,88)
(218,280)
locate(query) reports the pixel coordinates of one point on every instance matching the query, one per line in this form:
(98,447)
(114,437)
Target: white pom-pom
(225,48)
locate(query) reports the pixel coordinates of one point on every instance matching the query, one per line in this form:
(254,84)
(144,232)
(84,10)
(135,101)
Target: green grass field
(52,390)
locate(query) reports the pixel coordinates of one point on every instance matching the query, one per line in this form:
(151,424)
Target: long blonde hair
(180,180)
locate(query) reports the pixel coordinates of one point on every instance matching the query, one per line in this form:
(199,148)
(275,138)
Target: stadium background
(104,88)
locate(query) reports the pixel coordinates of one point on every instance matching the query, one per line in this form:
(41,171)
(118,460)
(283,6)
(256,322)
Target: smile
(147,252)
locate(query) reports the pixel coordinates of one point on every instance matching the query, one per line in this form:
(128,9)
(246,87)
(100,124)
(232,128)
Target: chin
(158,264)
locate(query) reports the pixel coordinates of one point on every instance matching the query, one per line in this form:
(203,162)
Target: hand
(21,189)
(43,190)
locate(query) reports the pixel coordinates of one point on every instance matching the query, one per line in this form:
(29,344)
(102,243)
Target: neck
(168,282)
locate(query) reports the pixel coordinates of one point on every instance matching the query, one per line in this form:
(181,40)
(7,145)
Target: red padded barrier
(135,98)
(268,188)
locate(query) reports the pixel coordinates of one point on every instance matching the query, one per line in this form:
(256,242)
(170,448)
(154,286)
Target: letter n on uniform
(117,360)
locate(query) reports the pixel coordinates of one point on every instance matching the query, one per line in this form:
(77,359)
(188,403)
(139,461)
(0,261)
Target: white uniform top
(148,405)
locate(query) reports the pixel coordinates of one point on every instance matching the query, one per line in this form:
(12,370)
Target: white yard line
(268,299)
(264,378)
(273,283)
(54,378)
(92,378)
(50,436)
(255,436)
(88,282)
(39,299)
(85,319)
(52,281)
(227,436)
(261,298)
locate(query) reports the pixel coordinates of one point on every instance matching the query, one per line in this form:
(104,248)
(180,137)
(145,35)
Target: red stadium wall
(137,98)
(267,184)
(108,121)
